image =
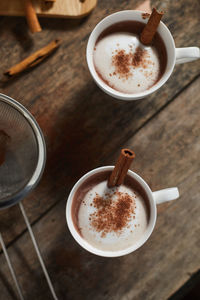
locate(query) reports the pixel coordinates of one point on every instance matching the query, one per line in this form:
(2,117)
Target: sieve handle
(11,268)
(38,252)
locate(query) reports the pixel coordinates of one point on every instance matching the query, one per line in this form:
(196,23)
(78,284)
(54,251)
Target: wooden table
(84,129)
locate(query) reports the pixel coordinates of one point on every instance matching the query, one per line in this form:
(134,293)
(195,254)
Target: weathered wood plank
(78,120)
(167,154)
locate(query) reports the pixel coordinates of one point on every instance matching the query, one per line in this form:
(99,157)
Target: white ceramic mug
(174,55)
(153,197)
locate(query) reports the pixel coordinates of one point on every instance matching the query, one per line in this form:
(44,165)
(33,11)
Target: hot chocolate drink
(110,219)
(124,63)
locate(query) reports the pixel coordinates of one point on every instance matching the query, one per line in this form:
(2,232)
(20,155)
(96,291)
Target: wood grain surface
(84,129)
(172,253)
(60,8)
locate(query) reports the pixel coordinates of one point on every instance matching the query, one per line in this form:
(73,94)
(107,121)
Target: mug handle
(187,54)
(166,195)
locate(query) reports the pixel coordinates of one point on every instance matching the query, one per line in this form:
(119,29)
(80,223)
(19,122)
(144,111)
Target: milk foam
(112,241)
(142,77)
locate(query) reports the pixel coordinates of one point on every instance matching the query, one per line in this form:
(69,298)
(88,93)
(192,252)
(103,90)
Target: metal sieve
(25,157)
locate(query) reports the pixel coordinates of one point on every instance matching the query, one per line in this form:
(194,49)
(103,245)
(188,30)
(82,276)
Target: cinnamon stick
(121,168)
(4,138)
(150,29)
(34,59)
(31,17)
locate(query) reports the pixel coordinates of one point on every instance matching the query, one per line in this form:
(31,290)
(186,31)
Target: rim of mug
(105,253)
(107,89)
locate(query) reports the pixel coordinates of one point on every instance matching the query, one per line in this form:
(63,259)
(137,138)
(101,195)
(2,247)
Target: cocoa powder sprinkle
(138,57)
(145,15)
(113,212)
(123,61)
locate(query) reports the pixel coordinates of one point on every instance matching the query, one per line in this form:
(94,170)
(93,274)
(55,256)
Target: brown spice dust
(123,61)
(113,212)
(138,57)
(145,15)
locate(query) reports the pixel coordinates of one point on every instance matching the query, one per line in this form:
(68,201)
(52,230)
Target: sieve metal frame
(31,184)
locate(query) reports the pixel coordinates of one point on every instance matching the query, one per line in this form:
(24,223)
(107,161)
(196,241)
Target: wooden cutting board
(60,8)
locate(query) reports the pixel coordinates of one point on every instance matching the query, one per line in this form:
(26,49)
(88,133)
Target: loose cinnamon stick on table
(31,17)
(121,168)
(149,30)
(34,59)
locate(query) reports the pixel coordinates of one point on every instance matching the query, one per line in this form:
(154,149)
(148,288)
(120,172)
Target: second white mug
(174,55)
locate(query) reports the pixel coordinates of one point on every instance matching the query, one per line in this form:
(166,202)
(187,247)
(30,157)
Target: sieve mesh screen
(21,154)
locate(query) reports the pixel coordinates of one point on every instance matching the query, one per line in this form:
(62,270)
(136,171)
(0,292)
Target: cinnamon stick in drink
(34,59)
(31,17)
(121,168)
(150,29)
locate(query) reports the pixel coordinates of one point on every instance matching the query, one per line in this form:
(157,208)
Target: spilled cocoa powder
(113,212)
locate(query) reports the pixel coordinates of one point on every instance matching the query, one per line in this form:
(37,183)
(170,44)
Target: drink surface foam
(125,64)
(93,219)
